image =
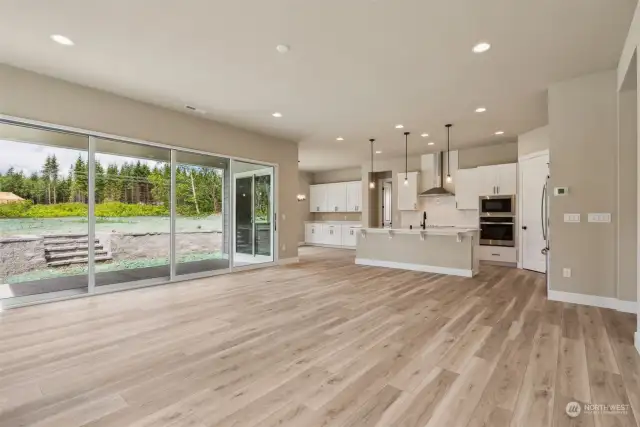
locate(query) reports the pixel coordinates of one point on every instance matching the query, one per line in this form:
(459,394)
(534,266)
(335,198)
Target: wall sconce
(302,197)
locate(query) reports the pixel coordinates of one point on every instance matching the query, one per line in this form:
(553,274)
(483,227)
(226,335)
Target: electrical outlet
(566,272)
(572,217)
(284,247)
(599,217)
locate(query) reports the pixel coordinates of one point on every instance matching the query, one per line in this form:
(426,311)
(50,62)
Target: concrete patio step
(49,242)
(74,254)
(76,261)
(70,247)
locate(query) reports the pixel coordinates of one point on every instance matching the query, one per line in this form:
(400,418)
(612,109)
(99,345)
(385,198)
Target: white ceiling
(356,67)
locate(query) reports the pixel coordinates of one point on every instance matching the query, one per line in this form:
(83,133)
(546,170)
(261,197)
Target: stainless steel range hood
(438,190)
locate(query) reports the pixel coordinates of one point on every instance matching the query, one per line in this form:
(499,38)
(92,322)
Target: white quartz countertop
(349,223)
(442,231)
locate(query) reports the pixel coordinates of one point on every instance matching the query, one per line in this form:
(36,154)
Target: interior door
(386,204)
(533,176)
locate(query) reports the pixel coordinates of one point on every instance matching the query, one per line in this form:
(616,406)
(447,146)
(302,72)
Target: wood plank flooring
(320,343)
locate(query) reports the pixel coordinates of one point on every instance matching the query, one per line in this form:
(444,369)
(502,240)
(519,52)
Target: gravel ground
(50,273)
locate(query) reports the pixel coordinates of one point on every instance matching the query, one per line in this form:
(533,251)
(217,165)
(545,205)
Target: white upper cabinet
(467,188)
(497,180)
(354,196)
(408,194)
(318,198)
(337,197)
(507,179)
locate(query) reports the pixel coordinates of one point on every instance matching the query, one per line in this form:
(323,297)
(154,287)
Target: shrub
(27,209)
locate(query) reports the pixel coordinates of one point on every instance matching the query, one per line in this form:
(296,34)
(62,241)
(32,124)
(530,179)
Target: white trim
(415,267)
(287,261)
(594,300)
(534,155)
(637,341)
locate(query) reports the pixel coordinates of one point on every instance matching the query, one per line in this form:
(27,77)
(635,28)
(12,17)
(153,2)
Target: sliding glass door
(44,215)
(254,226)
(84,214)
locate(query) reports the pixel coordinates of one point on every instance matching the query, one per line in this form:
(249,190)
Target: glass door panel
(202,194)
(253,227)
(132,223)
(44,224)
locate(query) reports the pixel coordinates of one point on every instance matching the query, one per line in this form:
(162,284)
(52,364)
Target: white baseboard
(415,267)
(594,300)
(287,261)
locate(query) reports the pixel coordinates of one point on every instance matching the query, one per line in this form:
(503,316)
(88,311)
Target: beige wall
(28,95)
(339,175)
(488,155)
(583,134)
(533,141)
(627,195)
(304,180)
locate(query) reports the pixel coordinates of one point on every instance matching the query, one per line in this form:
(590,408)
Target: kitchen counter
(442,250)
(349,223)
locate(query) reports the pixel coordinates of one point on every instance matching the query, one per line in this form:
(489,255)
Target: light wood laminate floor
(320,343)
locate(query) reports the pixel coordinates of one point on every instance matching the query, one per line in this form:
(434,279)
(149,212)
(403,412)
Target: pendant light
(406,143)
(372,183)
(449,179)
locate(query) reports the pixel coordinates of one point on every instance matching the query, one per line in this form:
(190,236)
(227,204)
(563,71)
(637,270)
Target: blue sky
(29,158)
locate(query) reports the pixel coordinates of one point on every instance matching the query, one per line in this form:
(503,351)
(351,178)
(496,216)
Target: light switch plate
(566,272)
(599,217)
(572,217)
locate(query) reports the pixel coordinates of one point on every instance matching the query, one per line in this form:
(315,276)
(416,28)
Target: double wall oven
(497,220)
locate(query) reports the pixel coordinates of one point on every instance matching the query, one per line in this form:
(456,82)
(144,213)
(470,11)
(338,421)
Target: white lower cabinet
(499,254)
(330,234)
(349,236)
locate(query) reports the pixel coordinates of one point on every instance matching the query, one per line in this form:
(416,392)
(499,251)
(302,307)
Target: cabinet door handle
(495,254)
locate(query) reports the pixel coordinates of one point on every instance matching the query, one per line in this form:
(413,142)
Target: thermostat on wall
(561,191)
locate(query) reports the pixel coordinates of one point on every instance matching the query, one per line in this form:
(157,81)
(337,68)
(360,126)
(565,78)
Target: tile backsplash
(440,211)
(336,216)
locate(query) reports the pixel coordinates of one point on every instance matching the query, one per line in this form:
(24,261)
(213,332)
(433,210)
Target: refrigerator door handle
(542,212)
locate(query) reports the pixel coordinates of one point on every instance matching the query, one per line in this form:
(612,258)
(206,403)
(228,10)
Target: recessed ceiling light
(480,110)
(481,47)
(276,114)
(339,138)
(431,143)
(399,126)
(499,132)
(66,41)
(283,48)
(424,135)
(378,152)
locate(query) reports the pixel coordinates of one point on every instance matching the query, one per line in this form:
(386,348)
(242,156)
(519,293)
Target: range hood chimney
(439,189)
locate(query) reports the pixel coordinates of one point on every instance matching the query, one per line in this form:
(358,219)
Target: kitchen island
(442,250)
